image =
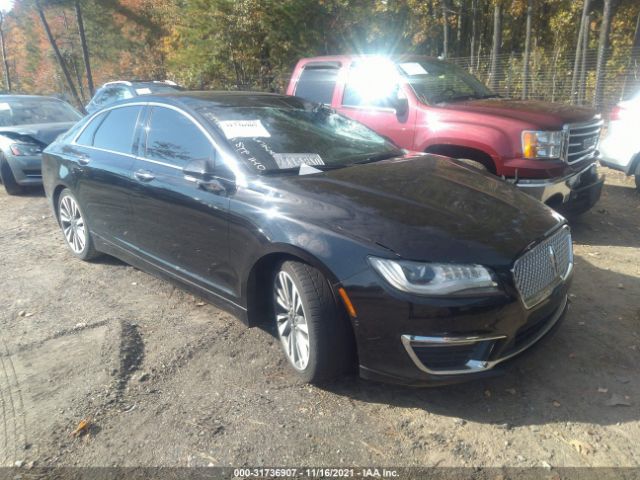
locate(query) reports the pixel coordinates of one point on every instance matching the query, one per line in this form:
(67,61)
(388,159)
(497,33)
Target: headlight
(537,144)
(25,149)
(435,279)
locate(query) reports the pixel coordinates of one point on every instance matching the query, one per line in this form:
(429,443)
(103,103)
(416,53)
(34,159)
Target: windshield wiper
(379,157)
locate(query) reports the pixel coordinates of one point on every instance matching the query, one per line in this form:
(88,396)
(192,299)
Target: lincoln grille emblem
(554,261)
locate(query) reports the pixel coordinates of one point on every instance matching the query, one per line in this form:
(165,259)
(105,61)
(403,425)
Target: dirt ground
(165,380)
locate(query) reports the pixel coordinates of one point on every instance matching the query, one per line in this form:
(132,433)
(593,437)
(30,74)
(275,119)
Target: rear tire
(8,179)
(314,332)
(74,227)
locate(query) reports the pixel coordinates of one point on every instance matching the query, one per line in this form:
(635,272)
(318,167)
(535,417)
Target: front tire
(313,331)
(74,227)
(8,179)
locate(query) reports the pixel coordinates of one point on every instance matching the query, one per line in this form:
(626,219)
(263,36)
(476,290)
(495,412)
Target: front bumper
(573,194)
(444,341)
(27,170)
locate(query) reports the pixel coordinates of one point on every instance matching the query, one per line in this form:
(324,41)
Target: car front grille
(582,140)
(543,267)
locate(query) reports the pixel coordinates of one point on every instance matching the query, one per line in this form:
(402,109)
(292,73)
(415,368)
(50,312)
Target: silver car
(620,148)
(28,123)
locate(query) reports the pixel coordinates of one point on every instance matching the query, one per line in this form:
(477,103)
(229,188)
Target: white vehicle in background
(620,149)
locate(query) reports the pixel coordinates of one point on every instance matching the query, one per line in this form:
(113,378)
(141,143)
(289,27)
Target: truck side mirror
(401,106)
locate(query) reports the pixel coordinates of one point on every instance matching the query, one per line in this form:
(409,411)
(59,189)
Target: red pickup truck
(428,105)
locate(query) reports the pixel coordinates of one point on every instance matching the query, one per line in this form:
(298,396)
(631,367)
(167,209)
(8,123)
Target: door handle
(144,175)
(84,160)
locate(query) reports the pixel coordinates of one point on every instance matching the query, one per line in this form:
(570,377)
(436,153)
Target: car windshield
(28,111)
(278,138)
(435,81)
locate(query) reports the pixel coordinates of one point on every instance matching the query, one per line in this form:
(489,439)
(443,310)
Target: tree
(85,48)
(527,51)
(56,50)
(603,45)
(445,26)
(497,40)
(474,15)
(5,61)
(579,44)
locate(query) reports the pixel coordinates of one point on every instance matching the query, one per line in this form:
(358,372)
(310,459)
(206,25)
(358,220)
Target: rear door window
(317,83)
(117,130)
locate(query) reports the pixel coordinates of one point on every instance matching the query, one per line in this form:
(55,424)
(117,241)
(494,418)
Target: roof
(193,99)
(19,96)
(361,56)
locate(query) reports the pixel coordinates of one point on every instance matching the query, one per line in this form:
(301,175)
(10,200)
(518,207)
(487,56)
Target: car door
(180,225)
(371,96)
(104,153)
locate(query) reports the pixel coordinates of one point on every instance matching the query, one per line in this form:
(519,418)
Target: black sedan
(415,268)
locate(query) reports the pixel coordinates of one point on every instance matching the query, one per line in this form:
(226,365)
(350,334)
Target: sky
(6,5)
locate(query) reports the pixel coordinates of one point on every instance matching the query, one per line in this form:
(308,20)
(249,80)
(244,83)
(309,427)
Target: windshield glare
(280,138)
(29,111)
(438,82)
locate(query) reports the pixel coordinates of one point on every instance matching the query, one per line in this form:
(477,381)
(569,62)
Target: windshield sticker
(246,154)
(293,160)
(143,91)
(243,128)
(4,106)
(413,68)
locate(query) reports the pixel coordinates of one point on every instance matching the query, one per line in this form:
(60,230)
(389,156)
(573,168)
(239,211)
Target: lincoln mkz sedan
(418,269)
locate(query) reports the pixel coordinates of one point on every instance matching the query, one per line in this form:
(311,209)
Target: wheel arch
(257,300)
(459,151)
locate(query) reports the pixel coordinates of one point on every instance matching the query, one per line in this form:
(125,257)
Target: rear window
(317,84)
(116,131)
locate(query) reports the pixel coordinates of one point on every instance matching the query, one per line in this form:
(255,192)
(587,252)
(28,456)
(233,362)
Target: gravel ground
(164,380)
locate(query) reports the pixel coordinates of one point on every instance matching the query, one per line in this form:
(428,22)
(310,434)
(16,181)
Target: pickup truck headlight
(538,144)
(25,149)
(435,279)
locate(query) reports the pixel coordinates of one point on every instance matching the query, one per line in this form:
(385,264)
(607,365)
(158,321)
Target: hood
(427,208)
(544,115)
(42,134)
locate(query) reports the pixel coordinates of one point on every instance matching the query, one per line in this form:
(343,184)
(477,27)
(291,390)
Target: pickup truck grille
(543,267)
(582,140)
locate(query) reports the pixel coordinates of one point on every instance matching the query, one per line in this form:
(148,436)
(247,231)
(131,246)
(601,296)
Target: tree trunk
(527,52)
(603,45)
(495,51)
(583,66)
(85,47)
(474,14)
(5,61)
(445,26)
(56,50)
(576,62)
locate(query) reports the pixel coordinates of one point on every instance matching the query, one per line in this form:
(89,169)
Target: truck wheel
(314,334)
(8,179)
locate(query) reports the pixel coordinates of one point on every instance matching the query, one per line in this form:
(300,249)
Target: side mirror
(401,105)
(208,178)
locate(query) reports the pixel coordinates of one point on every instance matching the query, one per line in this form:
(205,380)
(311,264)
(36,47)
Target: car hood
(425,208)
(42,134)
(545,115)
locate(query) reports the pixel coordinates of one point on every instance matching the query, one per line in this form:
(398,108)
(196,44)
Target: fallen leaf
(487,393)
(602,390)
(616,400)
(582,447)
(82,428)
(22,313)
(200,304)
(556,403)
(572,355)
(512,391)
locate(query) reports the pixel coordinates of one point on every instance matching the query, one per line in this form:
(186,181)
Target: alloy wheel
(291,321)
(72,224)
